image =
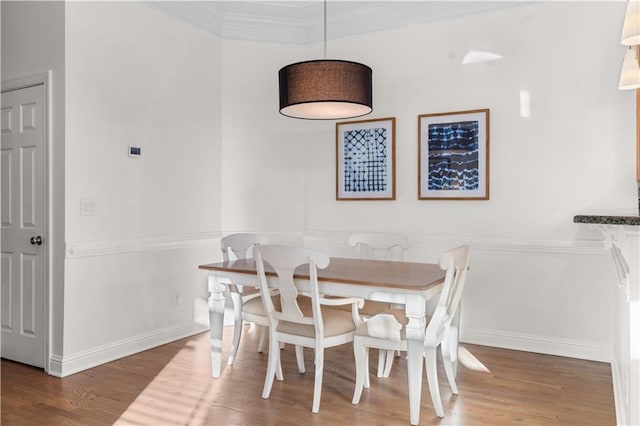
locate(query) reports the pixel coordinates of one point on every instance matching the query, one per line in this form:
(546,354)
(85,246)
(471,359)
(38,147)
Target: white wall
(538,281)
(33,43)
(264,154)
(575,152)
(138,77)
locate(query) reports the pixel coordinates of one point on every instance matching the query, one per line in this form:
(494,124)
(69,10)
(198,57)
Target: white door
(23,209)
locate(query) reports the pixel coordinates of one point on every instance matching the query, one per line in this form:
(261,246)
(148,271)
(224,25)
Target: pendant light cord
(325,29)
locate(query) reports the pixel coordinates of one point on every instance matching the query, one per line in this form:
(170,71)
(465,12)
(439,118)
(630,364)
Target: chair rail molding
(617,239)
(443,242)
(80,249)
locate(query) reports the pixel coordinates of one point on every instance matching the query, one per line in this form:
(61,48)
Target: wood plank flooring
(171,385)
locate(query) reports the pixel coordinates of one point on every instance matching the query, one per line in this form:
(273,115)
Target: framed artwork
(453,153)
(365,160)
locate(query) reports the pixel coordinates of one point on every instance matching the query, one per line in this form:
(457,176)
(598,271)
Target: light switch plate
(87,207)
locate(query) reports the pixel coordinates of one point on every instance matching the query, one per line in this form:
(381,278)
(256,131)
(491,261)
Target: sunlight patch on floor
(163,402)
(471,362)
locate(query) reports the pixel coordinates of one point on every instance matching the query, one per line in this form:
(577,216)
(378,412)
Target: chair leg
(381,359)
(300,358)
(367,382)
(432,378)
(273,365)
(237,326)
(360,354)
(263,335)
(279,375)
(453,339)
(317,386)
(449,359)
(388,363)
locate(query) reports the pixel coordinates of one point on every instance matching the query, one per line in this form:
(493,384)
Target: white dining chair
(247,305)
(386,331)
(380,246)
(304,319)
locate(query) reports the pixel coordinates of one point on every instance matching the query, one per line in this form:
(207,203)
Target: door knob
(36,241)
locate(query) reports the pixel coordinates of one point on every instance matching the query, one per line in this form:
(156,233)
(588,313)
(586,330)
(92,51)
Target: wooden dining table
(405,283)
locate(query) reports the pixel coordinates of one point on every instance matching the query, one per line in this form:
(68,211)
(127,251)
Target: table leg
(415,311)
(216,322)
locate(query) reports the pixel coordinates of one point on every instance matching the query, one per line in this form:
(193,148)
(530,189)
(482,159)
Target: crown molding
(302,22)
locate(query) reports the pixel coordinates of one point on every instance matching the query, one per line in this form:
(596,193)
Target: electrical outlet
(176,298)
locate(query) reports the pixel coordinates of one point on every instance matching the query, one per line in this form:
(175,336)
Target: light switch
(87,207)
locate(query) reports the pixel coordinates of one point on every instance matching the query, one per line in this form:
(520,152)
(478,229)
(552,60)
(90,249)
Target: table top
(379,273)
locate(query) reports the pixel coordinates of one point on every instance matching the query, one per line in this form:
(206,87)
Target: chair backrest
(456,262)
(284,260)
(240,246)
(382,246)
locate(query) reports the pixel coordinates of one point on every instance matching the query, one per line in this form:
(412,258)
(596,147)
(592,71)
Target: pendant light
(631,26)
(325,89)
(630,75)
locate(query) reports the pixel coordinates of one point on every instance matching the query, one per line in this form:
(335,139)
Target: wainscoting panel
(552,297)
(122,297)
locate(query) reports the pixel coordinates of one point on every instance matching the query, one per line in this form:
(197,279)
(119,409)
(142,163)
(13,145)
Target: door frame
(44,79)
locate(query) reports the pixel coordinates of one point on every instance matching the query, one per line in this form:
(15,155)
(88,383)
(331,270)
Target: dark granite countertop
(610,218)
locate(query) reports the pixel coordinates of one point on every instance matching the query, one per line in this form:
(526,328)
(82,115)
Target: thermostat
(135,151)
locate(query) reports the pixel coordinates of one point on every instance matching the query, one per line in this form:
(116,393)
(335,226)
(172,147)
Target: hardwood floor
(171,385)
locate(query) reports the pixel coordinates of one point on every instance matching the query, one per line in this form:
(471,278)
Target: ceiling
(301,22)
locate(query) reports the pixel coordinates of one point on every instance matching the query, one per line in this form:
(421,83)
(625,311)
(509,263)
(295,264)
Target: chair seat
(372,329)
(372,308)
(256,307)
(369,309)
(249,291)
(336,321)
(390,328)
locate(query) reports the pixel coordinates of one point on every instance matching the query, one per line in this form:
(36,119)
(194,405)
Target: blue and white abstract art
(454,155)
(365,158)
(365,166)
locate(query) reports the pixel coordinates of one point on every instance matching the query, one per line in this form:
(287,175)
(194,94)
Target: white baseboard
(74,363)
(538,344)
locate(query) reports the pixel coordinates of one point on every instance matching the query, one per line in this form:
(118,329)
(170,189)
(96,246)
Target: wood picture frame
(365,159)
(453,155)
